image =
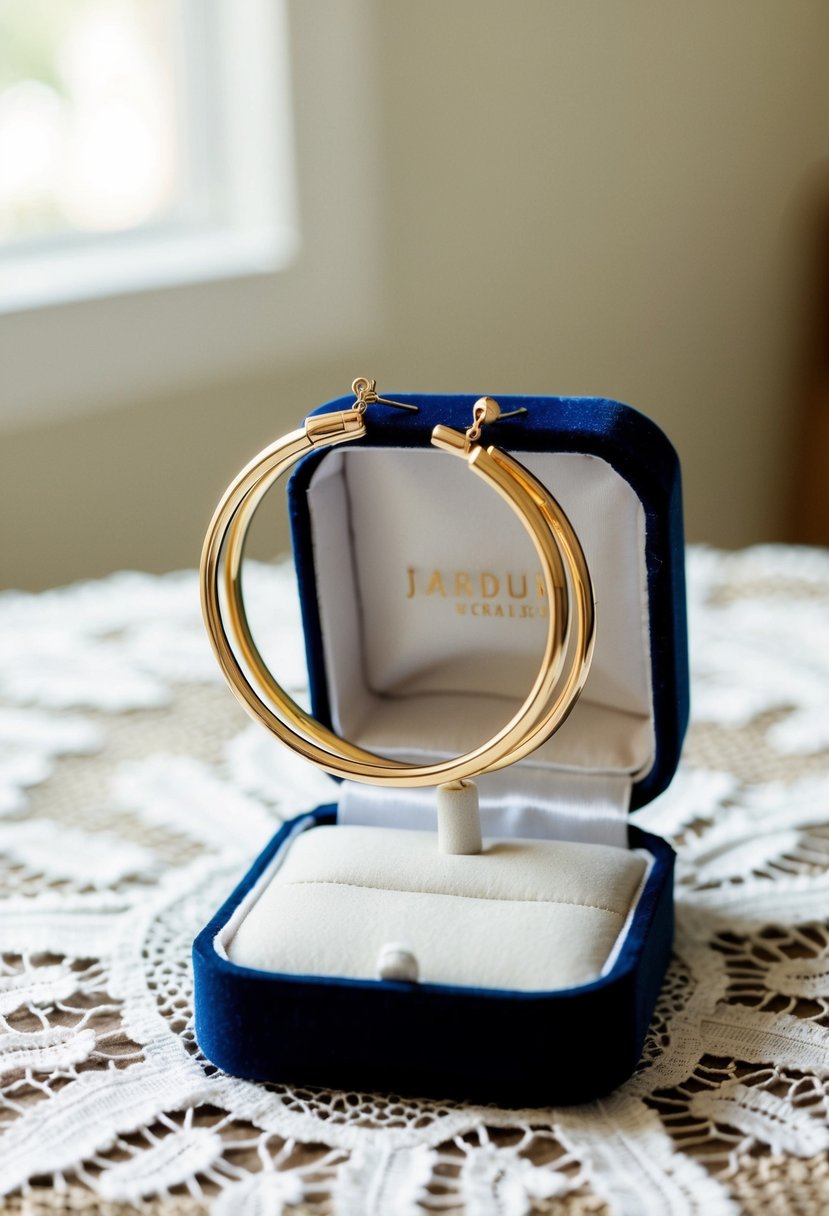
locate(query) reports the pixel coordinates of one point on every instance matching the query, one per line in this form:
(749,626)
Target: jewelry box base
(435,1040)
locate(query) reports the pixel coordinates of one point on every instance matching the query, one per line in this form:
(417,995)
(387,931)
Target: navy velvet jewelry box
(423,619)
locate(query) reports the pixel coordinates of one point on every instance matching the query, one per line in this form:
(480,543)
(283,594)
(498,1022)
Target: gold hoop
(557,546)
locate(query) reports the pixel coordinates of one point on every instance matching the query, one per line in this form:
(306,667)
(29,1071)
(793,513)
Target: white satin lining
(412,677)
(591,809)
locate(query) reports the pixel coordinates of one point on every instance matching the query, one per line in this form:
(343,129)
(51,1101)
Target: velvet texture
(513,1048)
(633,445)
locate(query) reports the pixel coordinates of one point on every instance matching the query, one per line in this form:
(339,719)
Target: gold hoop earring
(570,636)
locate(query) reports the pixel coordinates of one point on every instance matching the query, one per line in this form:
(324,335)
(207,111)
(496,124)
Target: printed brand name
(485,593)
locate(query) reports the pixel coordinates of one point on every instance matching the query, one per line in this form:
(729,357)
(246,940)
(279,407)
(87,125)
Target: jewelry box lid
(374,539)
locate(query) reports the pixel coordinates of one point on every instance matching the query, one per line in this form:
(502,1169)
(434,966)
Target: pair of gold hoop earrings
(571,624)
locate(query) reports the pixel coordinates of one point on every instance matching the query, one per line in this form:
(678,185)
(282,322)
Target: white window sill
(92,272)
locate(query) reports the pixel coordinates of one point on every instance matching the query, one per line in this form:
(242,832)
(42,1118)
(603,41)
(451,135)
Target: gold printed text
(481,593)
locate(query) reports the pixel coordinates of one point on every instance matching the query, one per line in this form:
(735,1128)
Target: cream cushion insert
(522,915)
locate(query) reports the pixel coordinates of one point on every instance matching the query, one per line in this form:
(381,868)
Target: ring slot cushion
(539,960)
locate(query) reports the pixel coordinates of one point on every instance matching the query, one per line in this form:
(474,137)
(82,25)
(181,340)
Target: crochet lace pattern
(123,763)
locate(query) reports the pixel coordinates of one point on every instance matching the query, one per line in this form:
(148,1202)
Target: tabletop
(133,795)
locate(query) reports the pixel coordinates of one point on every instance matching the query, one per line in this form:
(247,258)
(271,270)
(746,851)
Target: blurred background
(214,214)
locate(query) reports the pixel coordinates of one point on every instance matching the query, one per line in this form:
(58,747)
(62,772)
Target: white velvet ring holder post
(425,652)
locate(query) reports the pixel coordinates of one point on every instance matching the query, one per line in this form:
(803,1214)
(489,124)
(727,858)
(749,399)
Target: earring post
(400,405)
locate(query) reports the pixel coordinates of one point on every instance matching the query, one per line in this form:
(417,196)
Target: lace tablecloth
(133,795)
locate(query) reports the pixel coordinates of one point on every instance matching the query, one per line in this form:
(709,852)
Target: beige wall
(575,197)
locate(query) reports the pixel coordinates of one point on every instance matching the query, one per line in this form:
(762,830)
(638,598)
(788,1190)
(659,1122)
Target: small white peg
(459,818)
(397,962)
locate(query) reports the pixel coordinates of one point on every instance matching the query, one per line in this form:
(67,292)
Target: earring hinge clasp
(365,394)
(349,424)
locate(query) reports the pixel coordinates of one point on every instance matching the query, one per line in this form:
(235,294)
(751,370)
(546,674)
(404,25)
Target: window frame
(173,310)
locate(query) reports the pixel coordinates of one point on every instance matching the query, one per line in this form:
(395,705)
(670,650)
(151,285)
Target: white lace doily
(122,761)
